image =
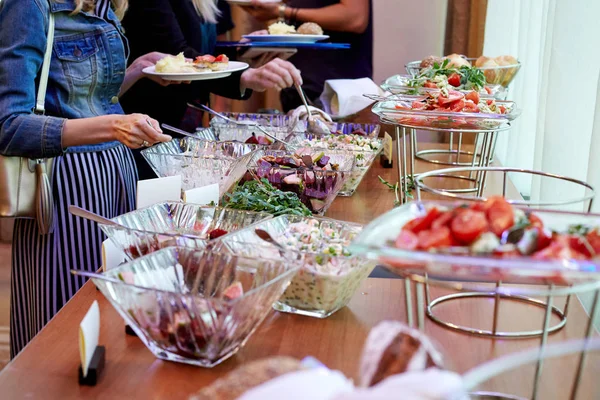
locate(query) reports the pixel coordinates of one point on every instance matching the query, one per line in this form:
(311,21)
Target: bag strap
(41,95)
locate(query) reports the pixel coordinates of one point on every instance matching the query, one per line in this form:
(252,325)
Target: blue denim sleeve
(23,27)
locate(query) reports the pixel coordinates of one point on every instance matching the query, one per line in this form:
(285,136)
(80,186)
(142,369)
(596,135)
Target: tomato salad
(497,229)
(455,101)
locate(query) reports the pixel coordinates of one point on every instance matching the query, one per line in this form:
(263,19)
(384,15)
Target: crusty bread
(310,28)
(393,348)
(457,61)
(429,61)
(246,377)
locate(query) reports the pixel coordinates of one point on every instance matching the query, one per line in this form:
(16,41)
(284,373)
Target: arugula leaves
(470,77)
(262,196)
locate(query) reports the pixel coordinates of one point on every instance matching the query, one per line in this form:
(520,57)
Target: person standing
(345,21)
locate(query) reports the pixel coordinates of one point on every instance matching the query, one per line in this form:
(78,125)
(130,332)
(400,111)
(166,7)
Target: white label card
(112,256)
(388,146)
(204,195)
(152,191)
(89,331)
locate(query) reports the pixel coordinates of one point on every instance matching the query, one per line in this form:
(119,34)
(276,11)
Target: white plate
(292,38)
(234,66)
(248,2)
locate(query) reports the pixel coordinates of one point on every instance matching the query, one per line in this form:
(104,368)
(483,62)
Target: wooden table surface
(47,367)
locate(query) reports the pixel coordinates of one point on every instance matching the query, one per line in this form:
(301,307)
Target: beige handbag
(25,188)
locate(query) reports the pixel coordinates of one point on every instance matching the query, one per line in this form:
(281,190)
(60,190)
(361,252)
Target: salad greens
(470,77)
(262,196)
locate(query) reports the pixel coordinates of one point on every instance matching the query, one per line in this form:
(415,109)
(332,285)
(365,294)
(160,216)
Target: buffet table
(47,368)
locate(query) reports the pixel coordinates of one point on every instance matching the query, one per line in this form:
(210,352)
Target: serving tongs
(233,121)
(314,125)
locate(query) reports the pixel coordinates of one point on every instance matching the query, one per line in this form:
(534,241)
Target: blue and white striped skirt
(41,283)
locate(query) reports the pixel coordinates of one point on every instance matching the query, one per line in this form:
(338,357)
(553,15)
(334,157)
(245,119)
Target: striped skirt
(103,182)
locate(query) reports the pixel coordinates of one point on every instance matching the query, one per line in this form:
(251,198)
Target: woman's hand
(137,130)
(277,74)
(262,11)
(134,71)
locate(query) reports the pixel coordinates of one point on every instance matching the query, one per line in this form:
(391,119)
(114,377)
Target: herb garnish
(262,196)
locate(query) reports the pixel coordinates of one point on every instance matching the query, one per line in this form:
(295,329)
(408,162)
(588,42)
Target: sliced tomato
(206,58)
(454,80)
(593,239)
(418,105)
(534,220)
(490,102)
(407,240)
(453,96)
(458,105)
(443,220)
(502,110)
(468,226)
(580,245)
(488,89)
(422,223)
(429,84)
(559,249)
(473,96)
(500,214)
(471,107)
(544,238)
(222,58)
(435,238)
(401,107)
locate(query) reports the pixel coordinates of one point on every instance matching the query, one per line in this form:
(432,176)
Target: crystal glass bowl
(364,148)
(201,162)
(329,275)
(175,224)
(277,125)
(316,188)
(196,307)
(400,84)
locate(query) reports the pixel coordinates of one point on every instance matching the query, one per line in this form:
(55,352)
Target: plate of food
(308,32)
(485,241)
(179,68)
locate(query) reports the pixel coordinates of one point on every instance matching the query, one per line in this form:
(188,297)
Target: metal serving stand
(424,305)
(408,153)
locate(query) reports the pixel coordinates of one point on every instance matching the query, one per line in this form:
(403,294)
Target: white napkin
(344,97)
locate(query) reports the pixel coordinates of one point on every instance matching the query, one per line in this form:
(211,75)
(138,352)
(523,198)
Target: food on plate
(455,101)
(444,76)
(281,28)
(259,139)
(329,275)
(457,61)
(393,348)
(246,377)
(180,65)
(497,229)
(262,196)
(430,61)
(310,28)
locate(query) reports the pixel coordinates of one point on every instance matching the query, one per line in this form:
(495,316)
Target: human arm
(22,133)
(345,16)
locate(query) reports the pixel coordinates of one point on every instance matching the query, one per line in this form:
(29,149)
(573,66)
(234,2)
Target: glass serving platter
(377,238)
(196,307)
(316,188)
(175,224)
(201,162)
(399,84)
(327,279)
(364,148)
(275,124)
(499,75)
(387,111)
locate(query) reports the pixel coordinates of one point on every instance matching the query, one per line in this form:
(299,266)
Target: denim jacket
(86,72)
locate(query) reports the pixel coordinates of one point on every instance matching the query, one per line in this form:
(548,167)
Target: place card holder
(92,356)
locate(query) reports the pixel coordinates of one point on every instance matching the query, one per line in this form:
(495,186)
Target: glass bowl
(329,276)
(498,75)
(175,224)
(316,188)
(465,121)
(196,307)
(399,84)
(201,162)
(364,148)
(277,125)
(376,241)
